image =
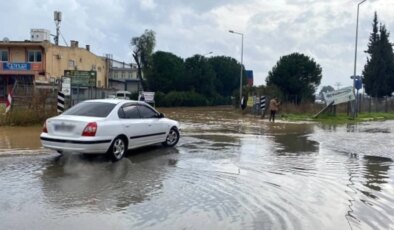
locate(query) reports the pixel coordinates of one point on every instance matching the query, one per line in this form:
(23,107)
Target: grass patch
(340,118)
(24,117)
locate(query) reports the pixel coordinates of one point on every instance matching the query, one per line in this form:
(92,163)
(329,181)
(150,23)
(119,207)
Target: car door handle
(127,126)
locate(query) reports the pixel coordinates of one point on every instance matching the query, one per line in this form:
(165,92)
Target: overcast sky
(321,29)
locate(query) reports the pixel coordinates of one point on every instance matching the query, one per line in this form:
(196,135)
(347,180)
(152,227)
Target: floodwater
(229,171)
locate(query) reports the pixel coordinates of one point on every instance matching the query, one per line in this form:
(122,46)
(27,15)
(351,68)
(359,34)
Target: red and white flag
(8,103)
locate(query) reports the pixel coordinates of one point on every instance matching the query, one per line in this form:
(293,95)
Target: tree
(200,76)
(196,81)
(378,73)
(325,89)
(143,47)
(227,74)
(297,76)
(166,72)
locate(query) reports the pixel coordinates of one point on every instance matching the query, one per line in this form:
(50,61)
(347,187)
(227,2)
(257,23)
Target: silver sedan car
(110,126)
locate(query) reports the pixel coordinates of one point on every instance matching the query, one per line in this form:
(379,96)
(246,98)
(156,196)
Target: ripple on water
(373,139)
(286,190)
(24,152)
(218,177)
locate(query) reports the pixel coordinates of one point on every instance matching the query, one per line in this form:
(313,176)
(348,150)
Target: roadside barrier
(60,102)
(262,103)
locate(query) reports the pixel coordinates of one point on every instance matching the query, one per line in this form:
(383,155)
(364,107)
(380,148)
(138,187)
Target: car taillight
(90,129)
(44,128)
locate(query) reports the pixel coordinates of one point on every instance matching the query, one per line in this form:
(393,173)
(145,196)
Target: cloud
(148,4)
(324,30)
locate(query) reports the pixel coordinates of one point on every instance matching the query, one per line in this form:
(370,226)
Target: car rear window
(91,109)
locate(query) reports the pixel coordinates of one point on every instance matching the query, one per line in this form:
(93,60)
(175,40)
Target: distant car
(109,126)
(123,94)
(319,101)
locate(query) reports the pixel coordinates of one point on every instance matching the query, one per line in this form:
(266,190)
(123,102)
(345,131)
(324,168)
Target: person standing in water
(274,106)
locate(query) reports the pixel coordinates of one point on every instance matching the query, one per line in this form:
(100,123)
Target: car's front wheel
(118,149)
(172,137)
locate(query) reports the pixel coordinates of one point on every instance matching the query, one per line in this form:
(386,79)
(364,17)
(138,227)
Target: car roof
(125,92)
(111,100)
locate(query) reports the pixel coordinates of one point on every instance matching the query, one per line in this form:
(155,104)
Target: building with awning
(39,63)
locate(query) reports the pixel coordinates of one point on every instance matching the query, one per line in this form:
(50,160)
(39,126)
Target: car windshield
(123,95)
(91,109)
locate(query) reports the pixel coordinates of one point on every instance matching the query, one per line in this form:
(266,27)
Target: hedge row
(188,98)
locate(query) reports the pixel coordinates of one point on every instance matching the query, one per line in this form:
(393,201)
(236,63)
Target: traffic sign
(81,78)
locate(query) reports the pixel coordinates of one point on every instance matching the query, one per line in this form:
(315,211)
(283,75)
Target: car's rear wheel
(118,149)
(172,137)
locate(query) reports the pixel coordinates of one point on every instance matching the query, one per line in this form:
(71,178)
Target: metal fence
(370,104)
(44,98)
(365,104)
(79,94)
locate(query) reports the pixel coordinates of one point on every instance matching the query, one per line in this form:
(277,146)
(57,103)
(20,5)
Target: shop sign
(16,66)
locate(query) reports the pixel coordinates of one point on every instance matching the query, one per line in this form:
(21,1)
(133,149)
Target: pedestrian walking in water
(274,106)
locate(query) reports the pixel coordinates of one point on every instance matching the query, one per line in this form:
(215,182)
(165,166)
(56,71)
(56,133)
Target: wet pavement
(227,172)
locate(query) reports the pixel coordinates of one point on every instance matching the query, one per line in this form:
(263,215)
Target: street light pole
(242,57)
(355,58)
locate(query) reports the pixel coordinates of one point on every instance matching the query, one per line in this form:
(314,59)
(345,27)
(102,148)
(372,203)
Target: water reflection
(19,138)
(351,128)
(227,172)
(376,172)
(329,127)
(295,143)
(376,130)
(367,128)
(369,205)
(352,166)
(77,181)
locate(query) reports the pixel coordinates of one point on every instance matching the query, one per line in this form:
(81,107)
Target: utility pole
(354,109)
(57,15)
(242,56)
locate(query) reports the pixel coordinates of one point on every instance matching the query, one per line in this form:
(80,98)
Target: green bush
(134,96)
(219,100)
(189,98)
(176,99)
(159,98)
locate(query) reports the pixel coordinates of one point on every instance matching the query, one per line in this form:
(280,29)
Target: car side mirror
(160,115)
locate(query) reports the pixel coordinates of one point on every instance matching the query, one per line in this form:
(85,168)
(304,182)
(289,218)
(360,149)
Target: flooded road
(227,172)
